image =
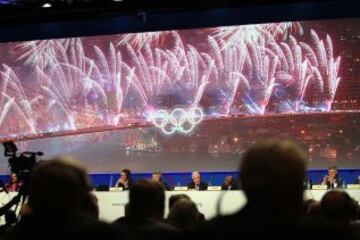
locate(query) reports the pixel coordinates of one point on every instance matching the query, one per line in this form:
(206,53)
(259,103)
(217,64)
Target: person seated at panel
(125,181)
(332,180)
(196,183)
(13,184)
(156,176)
(229,183)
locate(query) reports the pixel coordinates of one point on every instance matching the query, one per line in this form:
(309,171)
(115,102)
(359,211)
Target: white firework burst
(41,52)
(238,35)
(254,32)
(138,40)
(325,67)
(284,29)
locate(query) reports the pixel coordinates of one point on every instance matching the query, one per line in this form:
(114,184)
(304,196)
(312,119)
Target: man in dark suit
(125,181)
(196,183)
(157,177)
(229,184)
(332,179)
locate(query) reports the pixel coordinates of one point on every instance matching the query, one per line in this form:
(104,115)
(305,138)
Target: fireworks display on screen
(73,85)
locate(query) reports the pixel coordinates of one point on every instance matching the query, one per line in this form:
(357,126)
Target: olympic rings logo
(178,120)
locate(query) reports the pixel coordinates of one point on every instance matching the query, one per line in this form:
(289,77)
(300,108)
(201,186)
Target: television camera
(20,164)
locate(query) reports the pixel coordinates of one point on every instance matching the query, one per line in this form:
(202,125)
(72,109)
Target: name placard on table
(353,186)
(319,187)
(214,188)
(181,188)
(116,189)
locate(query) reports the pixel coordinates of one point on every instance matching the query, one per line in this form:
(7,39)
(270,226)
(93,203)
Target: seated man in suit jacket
(196,183)
(125,181)
(332,179)
(229,184)
(156,176)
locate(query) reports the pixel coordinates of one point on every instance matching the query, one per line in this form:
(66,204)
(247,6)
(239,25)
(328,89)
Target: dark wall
(50,23)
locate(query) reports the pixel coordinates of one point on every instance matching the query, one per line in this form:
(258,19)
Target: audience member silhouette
(184,215)
(10,220)
(146,208)
(174,198)
(56,210)
(126,219)
(312,208)
(272,175)
(92,207)
(338,207)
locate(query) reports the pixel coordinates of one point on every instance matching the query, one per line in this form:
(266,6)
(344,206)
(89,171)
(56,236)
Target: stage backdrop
(211,93)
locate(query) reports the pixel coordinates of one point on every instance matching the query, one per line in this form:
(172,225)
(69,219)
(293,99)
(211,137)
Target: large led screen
(200,96)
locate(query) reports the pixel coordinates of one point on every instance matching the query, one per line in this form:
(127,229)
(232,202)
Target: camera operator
(14,184)
(20,167)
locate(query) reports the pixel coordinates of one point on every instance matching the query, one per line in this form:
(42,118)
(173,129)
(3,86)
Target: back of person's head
(184,214)
(272,175)
(58,187)
(147,200)
(91,206)
(338,206)
(127,210)
(174,198)
(312,207)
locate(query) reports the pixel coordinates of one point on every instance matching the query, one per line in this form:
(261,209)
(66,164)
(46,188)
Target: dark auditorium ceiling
(31,11)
